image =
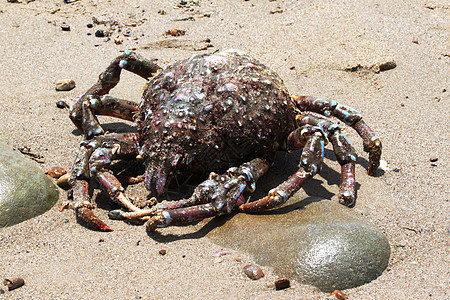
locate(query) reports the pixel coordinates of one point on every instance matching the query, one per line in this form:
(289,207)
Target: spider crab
(208,113)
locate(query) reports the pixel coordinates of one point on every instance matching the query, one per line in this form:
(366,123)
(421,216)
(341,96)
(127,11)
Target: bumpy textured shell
(210,112)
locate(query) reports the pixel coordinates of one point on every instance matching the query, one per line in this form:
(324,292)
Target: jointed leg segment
(345,153)
(349,116)
(220,194)
(92,160)
(312,141)
(93,102)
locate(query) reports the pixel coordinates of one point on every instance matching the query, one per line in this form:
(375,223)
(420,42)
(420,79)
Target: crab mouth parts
(156,179)
(159,171)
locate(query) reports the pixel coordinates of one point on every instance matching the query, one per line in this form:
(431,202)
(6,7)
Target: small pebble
(434,159)
(65,221)
(175,32)
(339,295)
(65,27)
(62,104)
(163,251)
(238,259)
(89,25)
(253,272)
(56,172)
(282,283)
(118,40)
(385,66)
(63,181)
(100,33)
(65,85)
(13,283)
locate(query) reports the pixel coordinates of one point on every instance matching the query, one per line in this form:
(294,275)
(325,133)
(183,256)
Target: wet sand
(324,48)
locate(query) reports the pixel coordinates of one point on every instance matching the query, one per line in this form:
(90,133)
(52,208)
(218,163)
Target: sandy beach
(342,50)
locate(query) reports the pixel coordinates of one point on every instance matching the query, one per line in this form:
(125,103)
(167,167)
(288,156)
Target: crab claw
(92,220)
(83,207)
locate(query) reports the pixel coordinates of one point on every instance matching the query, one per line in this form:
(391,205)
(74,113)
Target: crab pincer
(83,207)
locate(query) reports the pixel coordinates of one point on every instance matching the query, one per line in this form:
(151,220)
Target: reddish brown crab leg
(82,112)
(311,163)
(201,195)
(114,189)
(223,191)
(346,156)
(343,149)
(179,216)
(92,158)
(83,206)
(349,116)
(372,145)
(279,195)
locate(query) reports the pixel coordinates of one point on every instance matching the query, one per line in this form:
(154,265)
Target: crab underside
(223,112)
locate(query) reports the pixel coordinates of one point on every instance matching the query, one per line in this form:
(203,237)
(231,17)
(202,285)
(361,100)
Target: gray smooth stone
(25,192)
(314,241)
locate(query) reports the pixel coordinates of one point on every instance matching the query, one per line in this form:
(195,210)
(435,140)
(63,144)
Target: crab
(222,113)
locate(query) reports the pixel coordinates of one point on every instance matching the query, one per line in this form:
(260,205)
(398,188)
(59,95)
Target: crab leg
(310,164)
(93,158)
(343,149)
(114,189)
(83,206)
(349,116)
(223,194)
(82,112)
(201,195)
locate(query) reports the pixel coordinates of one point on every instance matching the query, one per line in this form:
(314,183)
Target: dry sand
(310,44)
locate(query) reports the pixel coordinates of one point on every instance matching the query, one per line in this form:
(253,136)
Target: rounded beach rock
(314,241)
(25,192)
(65,85)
